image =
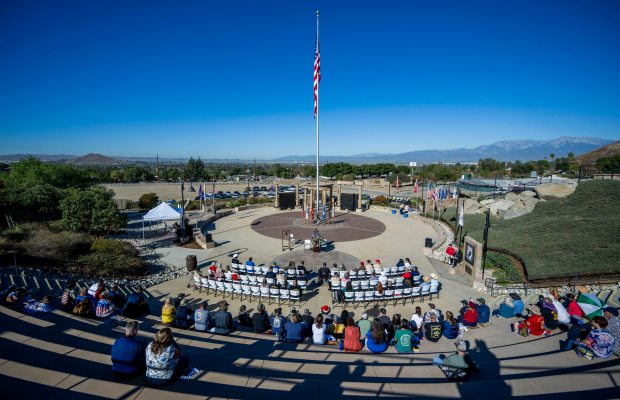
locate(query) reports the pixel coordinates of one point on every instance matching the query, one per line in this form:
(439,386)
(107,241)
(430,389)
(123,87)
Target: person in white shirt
(318,330)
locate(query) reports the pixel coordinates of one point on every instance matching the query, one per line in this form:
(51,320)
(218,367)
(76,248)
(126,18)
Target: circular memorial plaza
(343,227)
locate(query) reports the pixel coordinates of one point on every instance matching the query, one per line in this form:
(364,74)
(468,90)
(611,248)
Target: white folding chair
(398,295)
(378,297)
(274,293)
(415,292)
(264,292)
(349,297)
(369,297)
(295,295)
(425,291)
(236,287)
(255,291)
(406,294)
(364,284)
(221,287)
(197,284)
(284,295)
(204,283)
(246,290)
(359,296)
(434,289)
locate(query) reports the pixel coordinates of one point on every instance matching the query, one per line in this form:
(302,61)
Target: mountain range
(507,150)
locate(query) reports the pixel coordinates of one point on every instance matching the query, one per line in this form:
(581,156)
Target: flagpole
(317,119)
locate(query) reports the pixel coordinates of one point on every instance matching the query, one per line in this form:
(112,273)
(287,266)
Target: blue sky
(234,78)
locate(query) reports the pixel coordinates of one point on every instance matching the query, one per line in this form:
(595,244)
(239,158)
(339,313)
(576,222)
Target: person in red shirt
(572,307)
(535,322)
(450,252)
(470,316)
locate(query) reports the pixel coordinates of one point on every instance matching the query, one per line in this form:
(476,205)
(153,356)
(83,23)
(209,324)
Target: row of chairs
(250,291)
(371,296)
(257,280)
(261,270)
(365,284)
(366,274)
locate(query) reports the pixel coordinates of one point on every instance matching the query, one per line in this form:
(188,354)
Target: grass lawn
(577,235)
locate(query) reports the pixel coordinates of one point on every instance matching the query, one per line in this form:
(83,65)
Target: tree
(92,211)
(148,201)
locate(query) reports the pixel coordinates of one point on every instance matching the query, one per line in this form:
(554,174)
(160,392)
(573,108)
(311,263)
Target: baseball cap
(612,310)
(461,345)
(481,300)
(364,316)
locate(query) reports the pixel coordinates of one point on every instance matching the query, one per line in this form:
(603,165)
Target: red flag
(415,188)
(317,75)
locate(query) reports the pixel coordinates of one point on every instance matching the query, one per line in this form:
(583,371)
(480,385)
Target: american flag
(317,75)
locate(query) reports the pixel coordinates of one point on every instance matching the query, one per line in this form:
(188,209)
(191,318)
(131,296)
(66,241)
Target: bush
(54,245)
(380,201)
(148,201)
(111,257)
(502,267)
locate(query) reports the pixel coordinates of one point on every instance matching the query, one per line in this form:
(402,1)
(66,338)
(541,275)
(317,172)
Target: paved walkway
(63,356)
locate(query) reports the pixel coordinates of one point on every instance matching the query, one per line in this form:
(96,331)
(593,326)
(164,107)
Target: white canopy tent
(163,212)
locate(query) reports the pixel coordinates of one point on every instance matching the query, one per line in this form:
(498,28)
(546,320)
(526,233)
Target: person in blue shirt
(136,304)
(294,329)
(450,329)
(484,313)
(128,353)
(512,306)
(277,323)
(250,262)
(517,303)
(376,338)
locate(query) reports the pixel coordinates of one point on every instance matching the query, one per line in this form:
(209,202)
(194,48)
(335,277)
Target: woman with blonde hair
(168,312)
(164,359)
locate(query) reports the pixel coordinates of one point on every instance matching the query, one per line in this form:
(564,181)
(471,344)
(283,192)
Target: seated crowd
(94,302)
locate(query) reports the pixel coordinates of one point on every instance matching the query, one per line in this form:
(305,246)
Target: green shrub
(55,245)
(111,257)
(502,267)
(148,201)
(380,201)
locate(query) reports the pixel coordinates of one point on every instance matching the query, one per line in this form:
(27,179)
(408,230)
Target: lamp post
(182,207)
(213,195)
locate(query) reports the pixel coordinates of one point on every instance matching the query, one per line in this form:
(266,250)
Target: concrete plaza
(63,356)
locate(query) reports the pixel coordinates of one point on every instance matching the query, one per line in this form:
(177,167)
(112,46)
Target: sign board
(413,164)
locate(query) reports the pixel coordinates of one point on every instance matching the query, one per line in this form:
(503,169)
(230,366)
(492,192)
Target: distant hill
(508,150)
(42,157)
(94,159)
(606,151)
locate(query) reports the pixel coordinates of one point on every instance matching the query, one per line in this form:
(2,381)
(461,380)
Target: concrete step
(613,300)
